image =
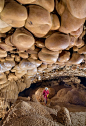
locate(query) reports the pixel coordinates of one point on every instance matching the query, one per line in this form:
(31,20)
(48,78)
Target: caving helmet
(46,88)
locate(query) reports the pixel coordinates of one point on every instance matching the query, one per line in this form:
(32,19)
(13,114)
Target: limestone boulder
(14,14)
(22,39)
(38,21)
(57,41)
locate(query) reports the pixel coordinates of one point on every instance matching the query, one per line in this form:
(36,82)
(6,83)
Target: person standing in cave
(45,94)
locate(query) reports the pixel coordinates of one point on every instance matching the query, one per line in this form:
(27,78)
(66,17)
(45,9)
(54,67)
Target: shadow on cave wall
(40,84)
(44,82)
(83,80)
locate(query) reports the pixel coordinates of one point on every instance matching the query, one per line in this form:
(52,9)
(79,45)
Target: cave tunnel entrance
(48,83)
(83,80)
(41,84)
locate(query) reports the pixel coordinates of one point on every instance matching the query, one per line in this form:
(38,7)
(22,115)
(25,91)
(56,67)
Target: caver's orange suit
(45,94)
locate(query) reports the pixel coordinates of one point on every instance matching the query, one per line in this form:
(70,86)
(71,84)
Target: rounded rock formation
(77,8)
(64,56)
(14,14)
(42,23)
(70,23)
(22,39)
(57,41)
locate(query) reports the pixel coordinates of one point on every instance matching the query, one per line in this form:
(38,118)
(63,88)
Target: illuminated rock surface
(43,40)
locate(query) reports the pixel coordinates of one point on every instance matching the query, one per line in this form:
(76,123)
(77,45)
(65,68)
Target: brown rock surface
(26,1)
(48,5)
(22,39)
(66,25)
(1,5)
(55,22)
(63,117)
(64,56)
(57,41)
(77,9)
(14,14)
(40,26)
(43,40)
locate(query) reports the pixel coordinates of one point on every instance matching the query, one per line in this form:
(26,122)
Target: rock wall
(40,40)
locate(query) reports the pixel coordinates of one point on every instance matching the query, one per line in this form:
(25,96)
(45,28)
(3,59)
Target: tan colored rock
(20,73)
(26,65)
(21,85)
(60,7)
(2,59)
(12,76)
(40,44)
(48,56)
(27,81)
(22,39)
(77,8)
(35,62)
(62,64)
(6,65)
(1,5)
(35,51)
(16,68)
(38,63)
(32,72)
(3,78)
(48,5)
(2,35)
(42,67)
(32,47)
(57,41)
(63,116)
(75,48)
(6,47)
(3,53)
(49,34)
(64,56)
(42,23)
(13,55)
(82,35)
(4,30)
(25,1)
(51,92)
(14,14)
(9,58)
(23,55)
(76,58)
(49,65)
(34,56)
(4,27)
(47,51)
(3,86)
(78,32)
(79,43)
(17,58)
(9,64)
(70,23)
(55,22)
(8,41)
(10,92)
(82,50)
(29,51)
(72,41)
